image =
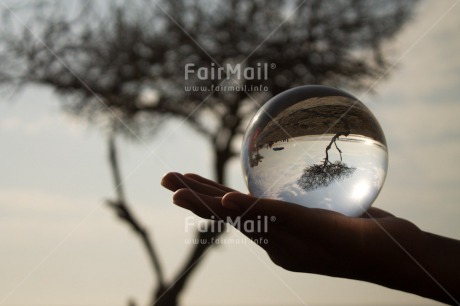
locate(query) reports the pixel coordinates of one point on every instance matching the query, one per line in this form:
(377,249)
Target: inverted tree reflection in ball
(316,146)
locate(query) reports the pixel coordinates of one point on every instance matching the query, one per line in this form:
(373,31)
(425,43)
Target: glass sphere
(318,147)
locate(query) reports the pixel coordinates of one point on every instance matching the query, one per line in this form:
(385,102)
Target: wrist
(426,265)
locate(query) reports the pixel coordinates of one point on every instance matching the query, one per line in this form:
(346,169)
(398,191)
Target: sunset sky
(61,245)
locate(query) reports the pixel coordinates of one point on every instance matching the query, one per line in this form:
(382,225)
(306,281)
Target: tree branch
(123,211)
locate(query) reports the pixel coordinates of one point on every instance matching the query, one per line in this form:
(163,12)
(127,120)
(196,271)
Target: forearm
(443,265)
(429,268)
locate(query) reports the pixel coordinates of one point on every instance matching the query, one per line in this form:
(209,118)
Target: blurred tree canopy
(124,64)
(128,59)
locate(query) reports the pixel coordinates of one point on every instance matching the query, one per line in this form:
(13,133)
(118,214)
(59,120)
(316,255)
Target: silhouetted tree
(325,173)
(126,61)
(255,159)
(166,293)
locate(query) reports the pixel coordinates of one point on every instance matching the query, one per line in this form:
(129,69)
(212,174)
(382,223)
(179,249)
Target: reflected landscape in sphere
(318,147)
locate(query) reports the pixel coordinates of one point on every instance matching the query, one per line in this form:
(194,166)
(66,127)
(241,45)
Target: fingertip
(169,180)
(181,193)
(228,202)
(180,198)
(169,175)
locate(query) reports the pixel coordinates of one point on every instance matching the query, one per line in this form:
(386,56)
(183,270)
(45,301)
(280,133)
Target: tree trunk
(168,295)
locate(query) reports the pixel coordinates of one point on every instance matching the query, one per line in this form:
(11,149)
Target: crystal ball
(316,146)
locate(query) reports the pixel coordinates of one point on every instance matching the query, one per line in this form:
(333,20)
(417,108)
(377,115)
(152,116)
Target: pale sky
(61,245)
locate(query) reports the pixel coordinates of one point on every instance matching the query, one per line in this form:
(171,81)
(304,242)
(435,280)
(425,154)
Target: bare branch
(123,211)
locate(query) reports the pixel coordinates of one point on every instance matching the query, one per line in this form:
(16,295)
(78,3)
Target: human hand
(376,247)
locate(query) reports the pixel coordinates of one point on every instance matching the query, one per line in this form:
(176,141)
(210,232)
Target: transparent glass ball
(318,147)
